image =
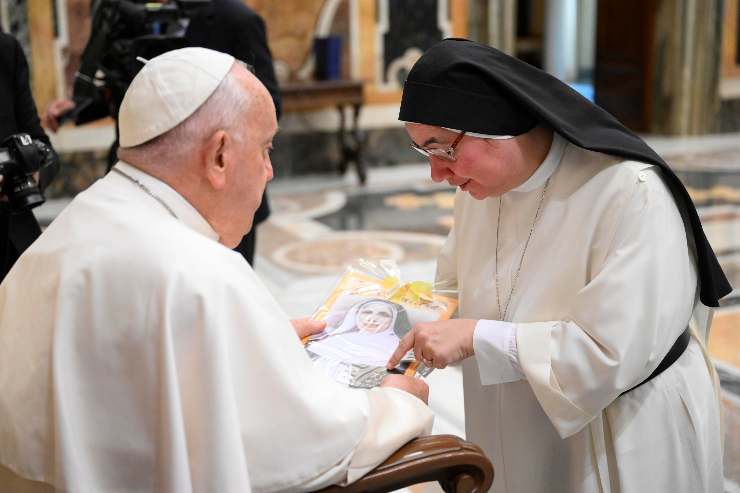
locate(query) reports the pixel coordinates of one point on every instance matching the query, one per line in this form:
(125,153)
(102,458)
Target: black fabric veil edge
(590,127)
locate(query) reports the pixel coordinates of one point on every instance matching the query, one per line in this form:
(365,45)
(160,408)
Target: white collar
(184,211)
(548,166)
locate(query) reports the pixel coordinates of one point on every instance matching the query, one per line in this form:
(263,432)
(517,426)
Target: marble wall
(291,27)
(407,29)
(381,38)
(685,84)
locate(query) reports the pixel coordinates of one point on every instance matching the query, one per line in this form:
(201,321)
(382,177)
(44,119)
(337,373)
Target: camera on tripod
(20,158)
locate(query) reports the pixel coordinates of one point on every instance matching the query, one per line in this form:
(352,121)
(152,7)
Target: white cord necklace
(503,313)
(148,191)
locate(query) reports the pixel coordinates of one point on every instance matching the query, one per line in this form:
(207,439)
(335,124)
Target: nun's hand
(305,327)
(413,386)
(437,344)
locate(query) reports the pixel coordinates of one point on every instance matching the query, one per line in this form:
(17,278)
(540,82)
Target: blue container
(328,58)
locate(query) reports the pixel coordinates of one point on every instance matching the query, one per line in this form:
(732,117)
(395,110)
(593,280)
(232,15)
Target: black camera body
(20,158)
(123,31)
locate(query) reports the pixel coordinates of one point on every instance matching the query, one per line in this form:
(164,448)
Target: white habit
(137,354)
(607,285)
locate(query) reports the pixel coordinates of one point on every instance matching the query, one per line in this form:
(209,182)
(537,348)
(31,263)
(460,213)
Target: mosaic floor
(321,223)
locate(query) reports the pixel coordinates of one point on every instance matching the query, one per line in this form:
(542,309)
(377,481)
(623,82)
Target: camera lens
(25,194)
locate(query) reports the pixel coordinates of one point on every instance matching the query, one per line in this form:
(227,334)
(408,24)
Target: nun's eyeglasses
(446,154)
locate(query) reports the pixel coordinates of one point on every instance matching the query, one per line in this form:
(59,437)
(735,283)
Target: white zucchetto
(167,90)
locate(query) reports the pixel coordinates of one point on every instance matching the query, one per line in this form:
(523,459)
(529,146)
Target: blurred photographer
(124,29)
(27,161)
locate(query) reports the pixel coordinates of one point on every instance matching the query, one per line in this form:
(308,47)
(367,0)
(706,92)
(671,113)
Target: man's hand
(55,110)
(305,327)
(413,386)
(437,344)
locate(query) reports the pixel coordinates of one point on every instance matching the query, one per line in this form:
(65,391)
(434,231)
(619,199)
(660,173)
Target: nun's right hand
(437,344)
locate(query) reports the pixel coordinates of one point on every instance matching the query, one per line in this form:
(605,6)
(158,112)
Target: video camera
(20,158)
(122,31)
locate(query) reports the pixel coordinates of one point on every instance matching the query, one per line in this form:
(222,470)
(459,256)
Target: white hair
(223,110)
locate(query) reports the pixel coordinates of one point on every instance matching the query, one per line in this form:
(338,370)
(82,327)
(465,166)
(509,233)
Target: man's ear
(216,161)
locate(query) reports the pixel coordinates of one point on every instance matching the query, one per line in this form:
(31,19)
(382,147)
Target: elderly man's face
(482,167)
(252,146)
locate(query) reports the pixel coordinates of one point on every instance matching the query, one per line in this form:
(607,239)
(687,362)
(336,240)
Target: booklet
(367,313)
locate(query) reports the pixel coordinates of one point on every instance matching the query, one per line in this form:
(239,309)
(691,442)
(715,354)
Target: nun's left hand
(437,344)
(305,327)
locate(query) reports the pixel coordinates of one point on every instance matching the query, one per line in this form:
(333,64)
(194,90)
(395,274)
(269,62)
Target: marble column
(561,39)
(586,43)
(687,56)
(43,67)
(501,17)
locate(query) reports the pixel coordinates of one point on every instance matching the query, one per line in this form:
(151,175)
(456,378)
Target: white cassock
(607,285)
(140,355)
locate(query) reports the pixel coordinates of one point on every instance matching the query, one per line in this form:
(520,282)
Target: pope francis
(140,354)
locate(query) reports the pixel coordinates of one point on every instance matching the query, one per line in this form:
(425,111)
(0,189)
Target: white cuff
(496,353)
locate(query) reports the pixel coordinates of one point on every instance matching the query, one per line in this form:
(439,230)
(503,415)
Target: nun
(366,335)
(584,280)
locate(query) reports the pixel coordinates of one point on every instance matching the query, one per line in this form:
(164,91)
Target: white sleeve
(622,323)
(494,344)
(395,418)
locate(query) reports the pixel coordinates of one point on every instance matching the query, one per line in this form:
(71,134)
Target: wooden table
(340,94)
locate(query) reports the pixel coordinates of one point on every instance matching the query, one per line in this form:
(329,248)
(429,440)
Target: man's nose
(269,169)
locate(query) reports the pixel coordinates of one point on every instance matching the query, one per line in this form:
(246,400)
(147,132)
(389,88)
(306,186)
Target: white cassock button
(642,176)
